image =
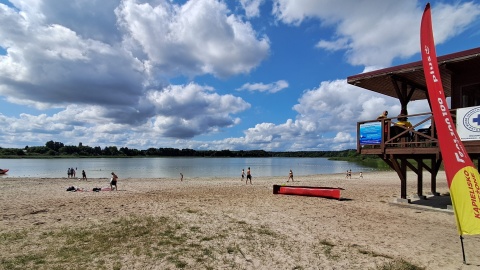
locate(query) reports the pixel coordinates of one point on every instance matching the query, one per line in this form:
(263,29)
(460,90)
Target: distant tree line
(57,149)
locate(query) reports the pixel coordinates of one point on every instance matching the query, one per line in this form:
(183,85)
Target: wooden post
(420,178)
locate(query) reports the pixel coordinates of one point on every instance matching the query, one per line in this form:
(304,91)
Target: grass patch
(192,211)
(138,236)
(145,242)
(373,254)
(12,236)
(266,231)
(393,264)
(231,249)
(21,261)
(327,249)
(399,265)
(195,229)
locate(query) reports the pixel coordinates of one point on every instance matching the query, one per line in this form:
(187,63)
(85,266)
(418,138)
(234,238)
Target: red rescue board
(324,192)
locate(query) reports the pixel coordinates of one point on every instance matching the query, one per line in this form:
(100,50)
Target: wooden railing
(421,135)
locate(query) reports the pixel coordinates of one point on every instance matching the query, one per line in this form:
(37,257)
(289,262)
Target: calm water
(172,167)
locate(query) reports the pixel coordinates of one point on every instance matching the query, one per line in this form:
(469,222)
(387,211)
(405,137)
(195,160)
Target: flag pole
(463,250)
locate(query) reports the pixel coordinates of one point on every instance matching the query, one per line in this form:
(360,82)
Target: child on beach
(290,176)
(243,174)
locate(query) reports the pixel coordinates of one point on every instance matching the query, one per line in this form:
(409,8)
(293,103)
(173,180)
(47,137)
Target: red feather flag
(462,177)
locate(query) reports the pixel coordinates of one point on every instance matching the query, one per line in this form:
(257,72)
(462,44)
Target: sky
(208,74)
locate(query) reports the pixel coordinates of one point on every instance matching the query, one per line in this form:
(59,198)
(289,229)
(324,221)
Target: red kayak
(3,171)
(324,192)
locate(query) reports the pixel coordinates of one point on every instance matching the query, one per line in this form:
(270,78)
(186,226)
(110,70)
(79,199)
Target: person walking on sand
(243,174)
(290,176)
(84,175)
(181,176)
(249,176)
(113,181)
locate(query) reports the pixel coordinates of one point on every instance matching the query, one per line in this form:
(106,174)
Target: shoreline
(172,167)
(242,226)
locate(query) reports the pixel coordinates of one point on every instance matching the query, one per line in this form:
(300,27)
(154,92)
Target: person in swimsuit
(243,174)
(290,176)
(113,181)
(249,176)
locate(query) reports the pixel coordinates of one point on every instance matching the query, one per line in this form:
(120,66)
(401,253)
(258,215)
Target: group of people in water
(71,173)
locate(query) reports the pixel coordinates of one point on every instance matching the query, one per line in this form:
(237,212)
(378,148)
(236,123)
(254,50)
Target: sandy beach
(221,223)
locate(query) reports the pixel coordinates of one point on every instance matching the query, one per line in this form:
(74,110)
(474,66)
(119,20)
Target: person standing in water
(290,176)
(249,176)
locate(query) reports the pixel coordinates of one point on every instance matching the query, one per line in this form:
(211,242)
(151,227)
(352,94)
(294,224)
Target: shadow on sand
(441,203)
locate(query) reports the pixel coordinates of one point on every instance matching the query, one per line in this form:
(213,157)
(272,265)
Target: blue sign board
(371,133)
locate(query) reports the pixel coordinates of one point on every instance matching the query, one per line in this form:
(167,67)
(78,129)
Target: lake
(163,167)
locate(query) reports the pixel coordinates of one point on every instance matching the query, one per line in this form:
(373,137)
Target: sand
(240,226)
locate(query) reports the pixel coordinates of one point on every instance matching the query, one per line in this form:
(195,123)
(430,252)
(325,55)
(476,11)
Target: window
(471,95)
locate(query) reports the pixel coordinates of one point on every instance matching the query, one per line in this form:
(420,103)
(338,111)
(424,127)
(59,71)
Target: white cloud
(50,65)
(339,44)
(187,111)
(326,120)
(261,87)
(251,7)
(176,112)
(200,37)
(110,74)
(343,137)
(373,33)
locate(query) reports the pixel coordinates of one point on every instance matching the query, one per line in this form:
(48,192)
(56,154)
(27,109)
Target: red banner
(462,177)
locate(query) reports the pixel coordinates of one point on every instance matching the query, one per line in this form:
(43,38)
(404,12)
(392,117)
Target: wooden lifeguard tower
(398,147)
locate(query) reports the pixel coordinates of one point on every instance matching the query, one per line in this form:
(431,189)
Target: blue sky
(208,74)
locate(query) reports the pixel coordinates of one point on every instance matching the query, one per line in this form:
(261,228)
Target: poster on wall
(468,123)
(370,133)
